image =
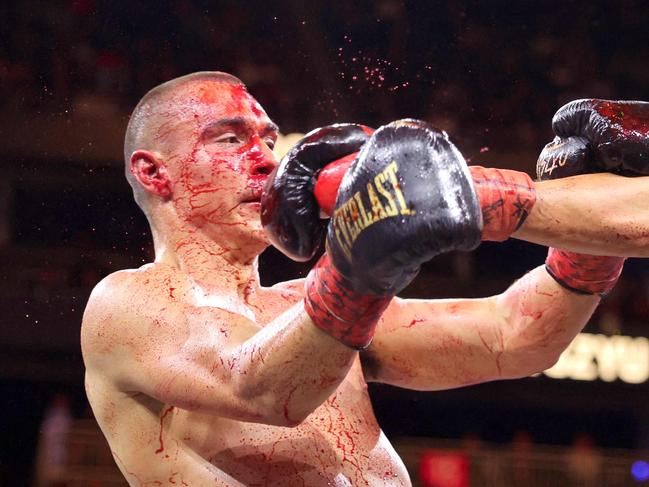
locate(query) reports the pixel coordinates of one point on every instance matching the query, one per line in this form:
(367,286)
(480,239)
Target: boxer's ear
(151,173)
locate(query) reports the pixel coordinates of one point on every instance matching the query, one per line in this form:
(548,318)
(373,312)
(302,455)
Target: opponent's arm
(525,329)
(601,214)
(442,344)
(149,340)
(594,213)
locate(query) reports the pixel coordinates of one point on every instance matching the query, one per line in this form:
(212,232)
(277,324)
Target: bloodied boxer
(198,375)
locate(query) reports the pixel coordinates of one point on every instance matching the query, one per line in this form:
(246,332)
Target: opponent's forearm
(441,344)
(540,319)
(599,214)
(290,367)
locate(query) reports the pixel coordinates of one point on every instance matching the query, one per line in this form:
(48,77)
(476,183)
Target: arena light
(640,470)
(608,358)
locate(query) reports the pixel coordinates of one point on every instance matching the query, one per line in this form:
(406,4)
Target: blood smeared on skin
(414,322)
(162,418)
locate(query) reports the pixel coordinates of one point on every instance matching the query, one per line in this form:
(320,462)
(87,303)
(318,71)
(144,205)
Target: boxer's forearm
(600,214)
(289,368)
(540,319)
(442,344)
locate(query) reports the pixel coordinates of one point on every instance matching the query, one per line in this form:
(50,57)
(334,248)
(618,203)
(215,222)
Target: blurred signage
(601,357)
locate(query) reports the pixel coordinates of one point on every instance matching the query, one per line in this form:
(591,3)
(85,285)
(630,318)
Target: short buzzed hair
(143,117)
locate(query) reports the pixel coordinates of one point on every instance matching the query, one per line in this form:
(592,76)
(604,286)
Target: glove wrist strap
(583,273)
(506,199)
(337,309)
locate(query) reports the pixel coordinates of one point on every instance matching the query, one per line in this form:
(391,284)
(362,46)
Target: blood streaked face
(219,159)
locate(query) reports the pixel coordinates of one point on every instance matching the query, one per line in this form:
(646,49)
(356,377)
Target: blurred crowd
(490,73)
(487,72)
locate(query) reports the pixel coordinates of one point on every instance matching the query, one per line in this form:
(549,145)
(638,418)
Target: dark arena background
(490,73)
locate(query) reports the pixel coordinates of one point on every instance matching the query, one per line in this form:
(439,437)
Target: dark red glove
(289,212)
(597,136)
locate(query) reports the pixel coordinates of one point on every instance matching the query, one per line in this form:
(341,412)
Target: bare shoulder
(132,287)
(150,279)
(110,317)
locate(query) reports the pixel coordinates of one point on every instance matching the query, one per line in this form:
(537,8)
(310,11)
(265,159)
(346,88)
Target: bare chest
(340,443)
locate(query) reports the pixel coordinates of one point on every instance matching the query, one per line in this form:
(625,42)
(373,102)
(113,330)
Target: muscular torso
(157,444)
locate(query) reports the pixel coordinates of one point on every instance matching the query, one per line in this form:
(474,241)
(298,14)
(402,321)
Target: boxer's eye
(270,142)
(228,138)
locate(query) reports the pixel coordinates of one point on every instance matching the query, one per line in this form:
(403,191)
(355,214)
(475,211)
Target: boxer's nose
(263,167)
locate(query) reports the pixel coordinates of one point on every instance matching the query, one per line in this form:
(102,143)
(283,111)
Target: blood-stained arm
(141,332)
(442,344)
(599,214)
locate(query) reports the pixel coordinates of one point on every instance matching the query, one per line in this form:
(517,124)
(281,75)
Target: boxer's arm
(145,340)
(441,344)
(599,214)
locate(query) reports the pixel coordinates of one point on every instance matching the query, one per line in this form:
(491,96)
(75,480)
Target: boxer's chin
(261,236)
(257,231)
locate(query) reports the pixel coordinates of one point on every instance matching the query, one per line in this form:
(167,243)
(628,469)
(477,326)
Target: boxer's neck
(218,268)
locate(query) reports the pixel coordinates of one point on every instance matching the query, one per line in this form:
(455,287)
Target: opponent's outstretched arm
(600,214)
(442,344)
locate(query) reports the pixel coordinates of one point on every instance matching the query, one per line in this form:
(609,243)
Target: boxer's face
(220,158)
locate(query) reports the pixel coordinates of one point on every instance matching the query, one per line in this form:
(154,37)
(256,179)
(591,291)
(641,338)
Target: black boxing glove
(289,211)
(598,136)
(506,197)
(592,136)
(407,198)
(306,182)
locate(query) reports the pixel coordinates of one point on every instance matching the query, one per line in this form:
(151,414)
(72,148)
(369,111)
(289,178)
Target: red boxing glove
(506,199)
(595,135)
(582,273)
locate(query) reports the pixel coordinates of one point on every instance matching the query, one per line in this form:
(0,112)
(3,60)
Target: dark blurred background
(490,73)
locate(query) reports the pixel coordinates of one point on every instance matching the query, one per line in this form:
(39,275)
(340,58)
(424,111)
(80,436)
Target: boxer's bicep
(436,344)
(191,364)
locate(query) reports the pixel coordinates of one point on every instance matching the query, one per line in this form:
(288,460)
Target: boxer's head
(199,148)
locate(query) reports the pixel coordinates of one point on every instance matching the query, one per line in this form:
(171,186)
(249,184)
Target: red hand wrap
(506,198)
(338,310)
(582,273)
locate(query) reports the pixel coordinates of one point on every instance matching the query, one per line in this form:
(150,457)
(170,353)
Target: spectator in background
(52,451)
(522,448)
(584,462)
